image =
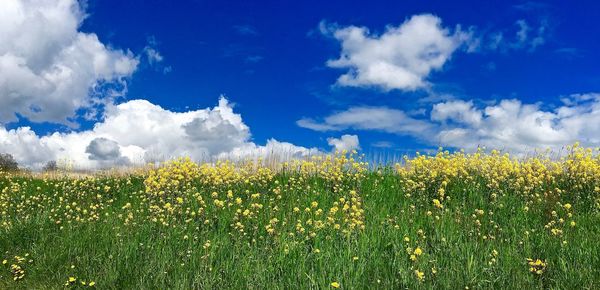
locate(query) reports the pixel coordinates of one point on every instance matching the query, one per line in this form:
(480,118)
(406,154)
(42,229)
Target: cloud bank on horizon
(52,72)
(137,132)
(49,71)
(508,125)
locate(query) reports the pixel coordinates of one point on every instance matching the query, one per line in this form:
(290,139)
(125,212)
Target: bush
(8,163)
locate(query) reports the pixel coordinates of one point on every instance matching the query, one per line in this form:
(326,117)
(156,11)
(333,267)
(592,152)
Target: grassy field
(454,221)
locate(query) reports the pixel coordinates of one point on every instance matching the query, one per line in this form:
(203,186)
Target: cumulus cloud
(404,56)
(25,146)
(345,142)
(457,111)
(400,58)
(49,69)
(517,127)
(138,131)
(51,72)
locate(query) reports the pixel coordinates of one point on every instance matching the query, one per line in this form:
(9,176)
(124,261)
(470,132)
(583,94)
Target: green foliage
(107,230)
(8,163)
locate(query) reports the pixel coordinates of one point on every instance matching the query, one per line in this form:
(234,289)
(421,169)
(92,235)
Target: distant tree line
(50,166)
(9,164)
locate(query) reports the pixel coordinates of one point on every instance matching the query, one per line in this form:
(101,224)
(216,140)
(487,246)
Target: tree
(50,166)
(8,163)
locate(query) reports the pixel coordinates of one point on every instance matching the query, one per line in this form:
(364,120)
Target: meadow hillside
(444,221)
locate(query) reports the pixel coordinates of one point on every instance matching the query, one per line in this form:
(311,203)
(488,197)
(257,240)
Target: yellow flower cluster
(17,266)
(536,266)
(182,190)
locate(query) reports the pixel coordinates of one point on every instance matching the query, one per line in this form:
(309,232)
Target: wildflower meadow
(448,220)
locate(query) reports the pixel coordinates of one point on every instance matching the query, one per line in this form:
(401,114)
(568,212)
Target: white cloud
(273,150)
(309,123)
(400,58)
(153,55)
(458,111)
(518,127)
(138,131)
(345,142)
(525,37)
(509,124)
(369,118)
(48,69)
(25,146)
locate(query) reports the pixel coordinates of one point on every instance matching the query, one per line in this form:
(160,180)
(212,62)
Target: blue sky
(273,61)
(208,48)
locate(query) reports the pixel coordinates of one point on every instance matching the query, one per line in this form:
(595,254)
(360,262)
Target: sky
(105,83)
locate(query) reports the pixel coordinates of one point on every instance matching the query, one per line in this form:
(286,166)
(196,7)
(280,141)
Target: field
(448,220)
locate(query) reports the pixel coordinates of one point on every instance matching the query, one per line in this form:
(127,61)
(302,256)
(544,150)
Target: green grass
(147,255)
